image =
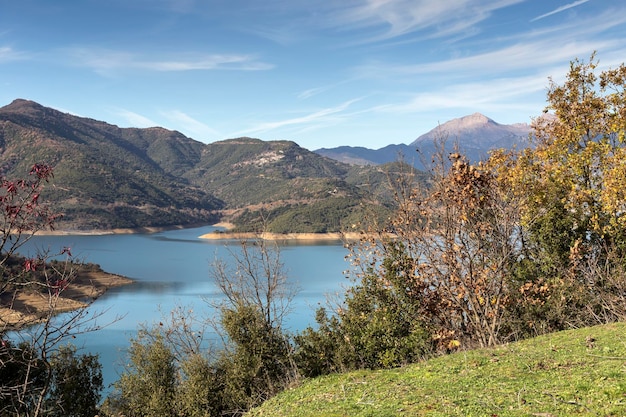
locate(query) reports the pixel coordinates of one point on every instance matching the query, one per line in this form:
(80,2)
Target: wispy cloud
(174,119)
(135,119)
(371,21)
(323,116)
(435,19)
(211,62)
(489,95)
(107,61)
(521,56)
(311,92)
(8,54)
(190,126)
(560,9)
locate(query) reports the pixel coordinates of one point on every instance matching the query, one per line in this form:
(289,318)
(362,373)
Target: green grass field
(573,373)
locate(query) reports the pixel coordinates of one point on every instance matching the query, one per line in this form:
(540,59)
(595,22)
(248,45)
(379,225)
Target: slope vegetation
(105,176)
(577,372)
(109,177)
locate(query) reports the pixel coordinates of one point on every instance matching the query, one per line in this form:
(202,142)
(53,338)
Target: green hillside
(110,177)
(104,176)
(570,373)
(248,171)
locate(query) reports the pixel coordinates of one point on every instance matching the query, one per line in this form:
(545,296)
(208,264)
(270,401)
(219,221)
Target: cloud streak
(560,9)
(106,62)
(321,116)
(516,57)
(190,126)
(491,95)
(8,54)
(377,21)
(135,119)
(434,19)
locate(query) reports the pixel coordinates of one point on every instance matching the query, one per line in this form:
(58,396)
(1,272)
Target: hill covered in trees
(107,177)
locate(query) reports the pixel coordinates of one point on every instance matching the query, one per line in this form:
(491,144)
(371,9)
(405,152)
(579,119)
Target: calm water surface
(172,269)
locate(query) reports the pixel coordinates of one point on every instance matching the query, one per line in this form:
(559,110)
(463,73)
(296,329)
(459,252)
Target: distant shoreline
(118,231)
(225,234)
(325,237)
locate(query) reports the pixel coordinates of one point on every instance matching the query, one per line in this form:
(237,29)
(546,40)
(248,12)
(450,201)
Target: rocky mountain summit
(477,132)
(475,135)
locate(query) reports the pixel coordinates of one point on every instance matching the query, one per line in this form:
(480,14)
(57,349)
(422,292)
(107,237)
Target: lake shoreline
(24,308)
(90,285)
(225,234)
(118,231)
(309,237)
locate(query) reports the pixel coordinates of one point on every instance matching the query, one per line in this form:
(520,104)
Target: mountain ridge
(107,177)
(478,131)
(475,135)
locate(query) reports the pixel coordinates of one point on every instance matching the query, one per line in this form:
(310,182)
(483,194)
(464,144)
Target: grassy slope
(561,374)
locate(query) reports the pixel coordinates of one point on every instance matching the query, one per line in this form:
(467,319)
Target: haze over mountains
(475,135)
(110,177)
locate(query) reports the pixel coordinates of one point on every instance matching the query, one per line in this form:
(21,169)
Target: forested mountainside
(110,177)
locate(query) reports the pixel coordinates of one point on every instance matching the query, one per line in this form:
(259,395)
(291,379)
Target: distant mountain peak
(475,135)
(477,131)
(472,121)
(476,119)
(21,104)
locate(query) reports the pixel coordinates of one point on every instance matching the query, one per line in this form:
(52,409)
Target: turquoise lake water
(172,269)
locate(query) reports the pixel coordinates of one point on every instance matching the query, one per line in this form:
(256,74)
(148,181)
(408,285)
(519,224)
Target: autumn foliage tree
(527,242)
(460,233)
(572,183)
(437,277)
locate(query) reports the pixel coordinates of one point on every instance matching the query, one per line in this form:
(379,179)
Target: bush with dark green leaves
(172,371)
(65,385)
(379,325)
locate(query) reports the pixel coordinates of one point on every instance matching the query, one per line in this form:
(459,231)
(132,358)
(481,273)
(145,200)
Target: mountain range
(107,177)
(475,135)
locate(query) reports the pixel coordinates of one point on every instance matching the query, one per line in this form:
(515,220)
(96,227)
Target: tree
(170,372)
(435,278)
(32,334)
(577,163)
(76,384)
(379,324)
(148,386)
(174,371)
(257,358)
(572,184)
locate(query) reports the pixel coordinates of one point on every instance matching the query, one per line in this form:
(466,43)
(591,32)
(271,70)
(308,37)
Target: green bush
(379,325)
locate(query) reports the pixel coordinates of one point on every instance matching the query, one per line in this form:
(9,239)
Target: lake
(172,269)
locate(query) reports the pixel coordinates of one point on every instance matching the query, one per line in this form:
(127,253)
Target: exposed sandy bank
(27,308)
(281,236)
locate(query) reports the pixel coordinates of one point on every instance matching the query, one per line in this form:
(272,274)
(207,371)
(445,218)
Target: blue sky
(321,73)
